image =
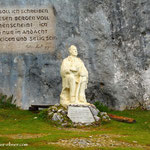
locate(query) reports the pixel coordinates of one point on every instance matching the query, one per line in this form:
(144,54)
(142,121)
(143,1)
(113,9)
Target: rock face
(113,41)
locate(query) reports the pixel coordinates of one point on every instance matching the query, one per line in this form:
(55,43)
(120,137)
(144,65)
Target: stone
(50,113)
(57,104)
(148,107)
(64,112)
(97,118)
(64,124)
(104,117)
(74,79)
(88,124)
(82,142)
(54,109)
(35,118)
(74,116)
(80,114)
(103,113)
(94,110)
(57,117)
(60,110)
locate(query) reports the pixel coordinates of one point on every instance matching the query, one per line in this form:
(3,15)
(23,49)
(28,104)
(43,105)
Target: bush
(44,114)
(101,107)
(6,102)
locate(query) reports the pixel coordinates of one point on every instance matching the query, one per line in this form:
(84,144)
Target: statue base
(75,115)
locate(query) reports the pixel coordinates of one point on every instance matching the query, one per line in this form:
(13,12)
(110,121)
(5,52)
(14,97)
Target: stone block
(80,114)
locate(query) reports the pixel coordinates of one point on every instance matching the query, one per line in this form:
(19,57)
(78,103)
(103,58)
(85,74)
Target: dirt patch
(104,140)
(84,129)
(23,136)
(75,129)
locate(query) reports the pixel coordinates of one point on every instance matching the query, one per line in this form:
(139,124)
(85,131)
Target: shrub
(44,114)
(6,102)
(101,107)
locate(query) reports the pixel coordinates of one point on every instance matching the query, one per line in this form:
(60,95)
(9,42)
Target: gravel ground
(104,140)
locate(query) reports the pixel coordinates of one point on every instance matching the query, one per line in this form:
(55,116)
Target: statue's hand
(84,78)
(74,69)
(82,74)
(68,72)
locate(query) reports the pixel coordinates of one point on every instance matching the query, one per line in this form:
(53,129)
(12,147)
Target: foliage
(6,102)
(101,107)
(43,114)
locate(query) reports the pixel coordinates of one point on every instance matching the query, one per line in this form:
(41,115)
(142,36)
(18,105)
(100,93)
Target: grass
(22,126)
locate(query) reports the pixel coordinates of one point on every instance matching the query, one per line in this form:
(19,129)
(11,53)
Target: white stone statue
(74,79)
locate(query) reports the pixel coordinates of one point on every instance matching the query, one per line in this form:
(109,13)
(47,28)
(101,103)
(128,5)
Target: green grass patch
(39,134)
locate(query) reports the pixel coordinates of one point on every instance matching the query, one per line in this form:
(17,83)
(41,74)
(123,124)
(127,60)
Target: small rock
(80,124)
(64,124)
(60,110)
(57,104)
(54,109)
(50,113)
(87,124)
(103,113)
(75,125)
(88,141)
(134,141)
(35,118)
(97,118)
(82,142)
(64,112)
(148,107)
(104,117)
(57,117)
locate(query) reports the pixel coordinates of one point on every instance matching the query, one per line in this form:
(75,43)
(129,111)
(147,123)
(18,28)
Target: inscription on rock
(27,29)
(80,114)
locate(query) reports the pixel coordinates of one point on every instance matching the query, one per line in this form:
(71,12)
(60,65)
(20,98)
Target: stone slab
(80,114)
(27,29)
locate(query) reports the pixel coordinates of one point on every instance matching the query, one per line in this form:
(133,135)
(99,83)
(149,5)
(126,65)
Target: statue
(74,79)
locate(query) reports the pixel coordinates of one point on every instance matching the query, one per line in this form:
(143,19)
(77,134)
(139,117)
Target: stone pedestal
(76,115)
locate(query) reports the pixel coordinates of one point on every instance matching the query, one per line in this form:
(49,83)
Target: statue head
(73,50)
